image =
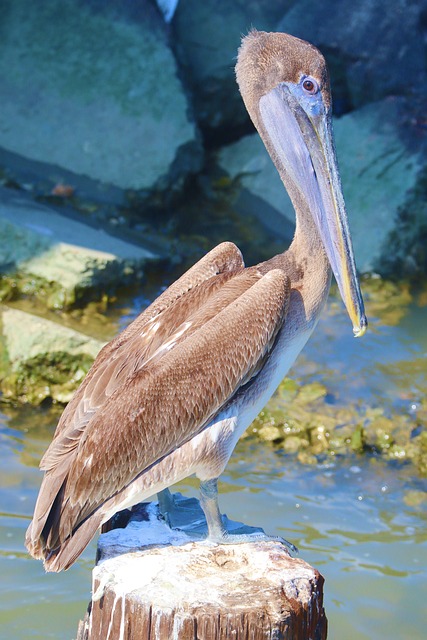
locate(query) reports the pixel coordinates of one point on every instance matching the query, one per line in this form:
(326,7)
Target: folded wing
(219,340)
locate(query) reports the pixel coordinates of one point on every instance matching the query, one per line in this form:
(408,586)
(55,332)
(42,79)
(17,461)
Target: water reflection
(359,519)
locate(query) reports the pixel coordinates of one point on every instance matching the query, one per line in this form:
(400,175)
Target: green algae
(421,454)
(313,429)
(52,294)
(46,377)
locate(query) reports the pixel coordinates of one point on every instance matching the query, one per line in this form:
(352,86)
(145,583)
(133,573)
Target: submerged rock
(46,360)
(93,88)
(314,430)
(58,259)
(378,171)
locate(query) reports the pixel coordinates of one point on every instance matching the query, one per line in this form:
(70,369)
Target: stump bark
(152,583)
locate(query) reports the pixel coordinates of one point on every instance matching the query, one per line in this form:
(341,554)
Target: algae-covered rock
(270,433)
(301,421)
(46,360)
(60,259)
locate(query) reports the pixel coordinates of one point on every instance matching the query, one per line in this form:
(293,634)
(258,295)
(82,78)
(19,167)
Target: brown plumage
(170,395)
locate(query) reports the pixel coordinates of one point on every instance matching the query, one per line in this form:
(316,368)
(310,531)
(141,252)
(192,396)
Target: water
(360,520)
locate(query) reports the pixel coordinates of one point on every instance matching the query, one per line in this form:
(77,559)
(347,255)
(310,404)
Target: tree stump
(153,583)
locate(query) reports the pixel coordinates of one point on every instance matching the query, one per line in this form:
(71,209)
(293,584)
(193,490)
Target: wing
(166,404)
(121,357)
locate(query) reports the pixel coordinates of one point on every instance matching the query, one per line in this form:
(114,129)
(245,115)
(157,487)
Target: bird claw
(240,538)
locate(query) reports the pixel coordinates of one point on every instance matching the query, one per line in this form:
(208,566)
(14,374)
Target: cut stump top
(186,590)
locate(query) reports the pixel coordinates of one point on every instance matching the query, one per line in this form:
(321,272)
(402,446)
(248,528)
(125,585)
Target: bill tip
(360,330)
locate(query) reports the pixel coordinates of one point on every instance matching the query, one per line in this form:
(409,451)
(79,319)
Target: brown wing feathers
(224,258)
(178,395)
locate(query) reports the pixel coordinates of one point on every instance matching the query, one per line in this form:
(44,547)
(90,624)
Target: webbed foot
(228,535)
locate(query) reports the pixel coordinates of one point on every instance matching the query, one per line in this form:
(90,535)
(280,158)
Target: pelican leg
(217,531)
(209,503)
(166,505)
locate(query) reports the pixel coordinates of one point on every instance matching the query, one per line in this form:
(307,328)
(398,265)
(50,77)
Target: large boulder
(258,188)
(379,170)
(206,38)
(374,48)
(92,87)
(60,259)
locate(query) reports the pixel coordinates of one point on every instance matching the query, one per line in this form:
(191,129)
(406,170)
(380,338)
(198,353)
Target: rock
(379,168)
(58,258)
(270,433)
(206,38)
(409,236)
(260,190)
(167,7)
(46,360)
(93,88)
(374,49)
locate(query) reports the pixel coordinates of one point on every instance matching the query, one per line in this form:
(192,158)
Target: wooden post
(152,583)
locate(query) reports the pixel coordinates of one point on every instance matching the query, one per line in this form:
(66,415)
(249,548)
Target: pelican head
(284,83)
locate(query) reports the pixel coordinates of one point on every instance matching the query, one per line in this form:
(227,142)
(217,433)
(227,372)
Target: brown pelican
(170,396)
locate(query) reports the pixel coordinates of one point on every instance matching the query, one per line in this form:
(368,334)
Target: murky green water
(361,520)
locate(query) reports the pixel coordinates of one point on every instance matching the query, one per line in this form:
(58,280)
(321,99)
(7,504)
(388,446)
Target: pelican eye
(310,86)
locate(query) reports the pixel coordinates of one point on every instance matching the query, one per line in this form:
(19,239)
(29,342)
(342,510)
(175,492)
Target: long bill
(300,130)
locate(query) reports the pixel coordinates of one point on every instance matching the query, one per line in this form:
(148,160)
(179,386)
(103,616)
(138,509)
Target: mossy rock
(61,261)
(307,426)
(46,361)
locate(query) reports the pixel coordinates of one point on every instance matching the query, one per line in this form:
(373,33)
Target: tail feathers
(34,545)
(49,499)
(63,556)
(67,553)
(43,532)
(49,537)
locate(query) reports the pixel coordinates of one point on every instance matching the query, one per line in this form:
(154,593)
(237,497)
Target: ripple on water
(360,520)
